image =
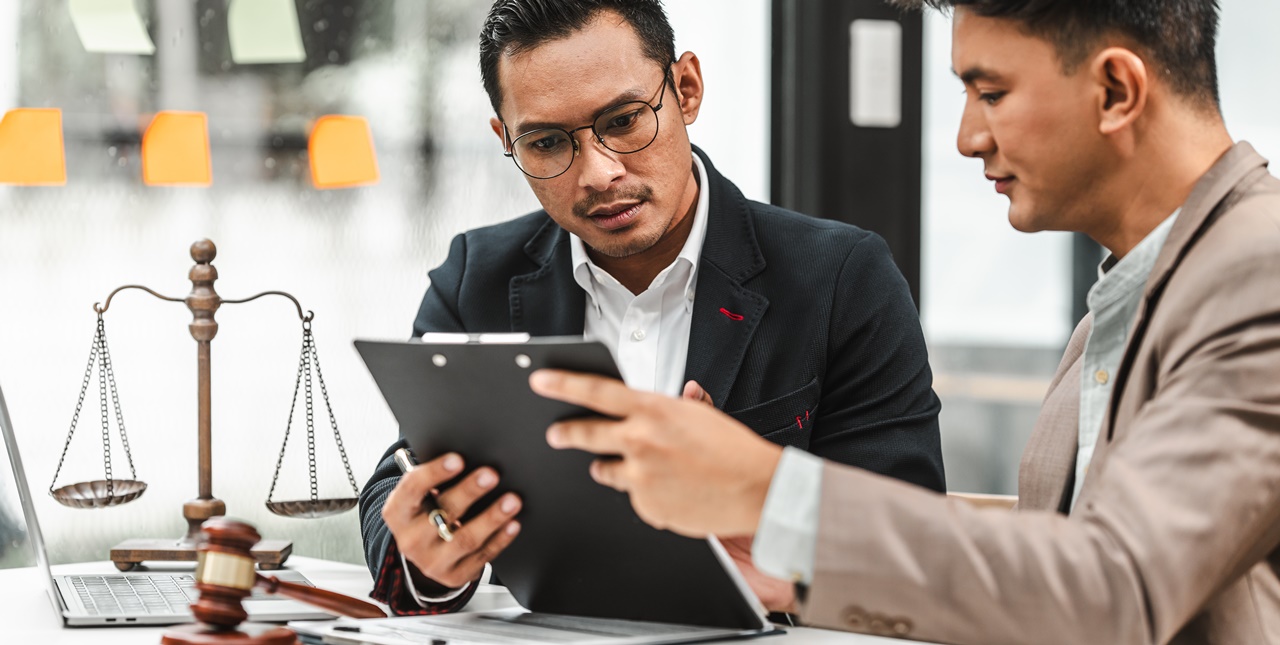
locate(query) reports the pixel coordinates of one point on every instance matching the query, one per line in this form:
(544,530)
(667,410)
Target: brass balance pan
(312,509)
(95,494)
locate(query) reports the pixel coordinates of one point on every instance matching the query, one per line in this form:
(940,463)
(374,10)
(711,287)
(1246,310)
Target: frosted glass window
(359,257)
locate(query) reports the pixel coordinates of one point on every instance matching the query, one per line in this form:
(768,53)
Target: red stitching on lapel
(731,315)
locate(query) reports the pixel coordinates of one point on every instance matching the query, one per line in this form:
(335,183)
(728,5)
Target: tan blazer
(1174,537)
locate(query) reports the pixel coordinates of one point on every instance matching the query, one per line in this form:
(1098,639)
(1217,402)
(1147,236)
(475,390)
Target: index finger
(604,395)
(599,436)
(417,483)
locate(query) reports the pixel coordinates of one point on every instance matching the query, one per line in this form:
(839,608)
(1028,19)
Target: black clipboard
(582,550)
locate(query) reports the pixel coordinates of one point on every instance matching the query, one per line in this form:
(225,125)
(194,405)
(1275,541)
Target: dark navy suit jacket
(803,329)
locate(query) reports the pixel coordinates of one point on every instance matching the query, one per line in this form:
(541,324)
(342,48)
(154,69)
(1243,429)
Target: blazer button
(878,625)
(855,618)
(901,627)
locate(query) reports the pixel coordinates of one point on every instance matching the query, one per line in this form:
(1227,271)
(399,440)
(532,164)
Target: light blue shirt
(1114,302)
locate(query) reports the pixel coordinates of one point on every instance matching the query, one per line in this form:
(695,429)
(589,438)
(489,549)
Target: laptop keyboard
(142,595)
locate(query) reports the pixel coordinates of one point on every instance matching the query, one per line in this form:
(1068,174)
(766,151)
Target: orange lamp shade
(175,150)
(31,148)
(341,152)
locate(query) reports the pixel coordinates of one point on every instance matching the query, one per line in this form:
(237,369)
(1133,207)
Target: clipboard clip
(440,338)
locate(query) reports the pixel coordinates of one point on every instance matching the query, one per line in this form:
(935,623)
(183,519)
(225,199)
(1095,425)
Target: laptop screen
(20,542)
(15,543)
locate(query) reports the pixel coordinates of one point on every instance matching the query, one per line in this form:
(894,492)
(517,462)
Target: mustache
(583,208)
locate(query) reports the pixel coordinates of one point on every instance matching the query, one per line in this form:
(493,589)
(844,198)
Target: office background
(997,305)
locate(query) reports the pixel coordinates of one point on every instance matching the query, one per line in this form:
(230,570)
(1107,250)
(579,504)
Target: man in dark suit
(802,329)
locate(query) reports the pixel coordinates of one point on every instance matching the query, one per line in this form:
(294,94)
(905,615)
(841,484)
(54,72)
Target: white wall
(1249,71)
(986,284)
(983,283)
(8,56)
(732,39)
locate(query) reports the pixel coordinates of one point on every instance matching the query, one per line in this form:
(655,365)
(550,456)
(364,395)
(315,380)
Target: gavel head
(224,572)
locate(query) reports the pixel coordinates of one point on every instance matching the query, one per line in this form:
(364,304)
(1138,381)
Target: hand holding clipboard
(449,555)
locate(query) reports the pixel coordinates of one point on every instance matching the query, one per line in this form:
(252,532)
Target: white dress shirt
(787,537)
(648,333)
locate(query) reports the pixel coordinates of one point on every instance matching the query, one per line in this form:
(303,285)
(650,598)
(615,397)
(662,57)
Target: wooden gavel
(225,576)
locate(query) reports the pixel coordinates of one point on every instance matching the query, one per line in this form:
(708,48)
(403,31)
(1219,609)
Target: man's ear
(1123,77)
(496,124)
(688,77)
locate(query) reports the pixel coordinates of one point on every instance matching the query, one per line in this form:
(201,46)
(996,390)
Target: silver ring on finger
(444,527)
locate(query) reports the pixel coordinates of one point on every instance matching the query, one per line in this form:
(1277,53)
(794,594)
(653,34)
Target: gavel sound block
(225,576)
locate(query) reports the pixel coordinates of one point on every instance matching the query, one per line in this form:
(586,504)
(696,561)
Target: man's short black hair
(517,25)
(1179,36)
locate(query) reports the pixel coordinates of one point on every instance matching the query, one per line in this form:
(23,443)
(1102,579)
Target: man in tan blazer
(1150,489)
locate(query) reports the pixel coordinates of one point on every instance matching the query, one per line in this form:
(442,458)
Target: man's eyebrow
(624,97)
(975,74)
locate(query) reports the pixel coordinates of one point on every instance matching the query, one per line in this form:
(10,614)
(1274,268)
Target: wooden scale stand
(203,301)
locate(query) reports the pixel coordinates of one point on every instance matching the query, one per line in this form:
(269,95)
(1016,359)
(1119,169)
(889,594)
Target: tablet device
(581,550)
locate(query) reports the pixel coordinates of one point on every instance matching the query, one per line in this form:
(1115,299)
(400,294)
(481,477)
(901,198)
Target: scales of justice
(203,301)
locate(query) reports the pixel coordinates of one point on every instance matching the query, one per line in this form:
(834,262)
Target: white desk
(27,615)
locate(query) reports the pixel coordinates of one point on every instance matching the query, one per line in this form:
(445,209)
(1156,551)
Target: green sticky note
(110,27)
(264,31)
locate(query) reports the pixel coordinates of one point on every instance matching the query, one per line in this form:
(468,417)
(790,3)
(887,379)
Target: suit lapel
(1197,215)
(1047,472)
(718,341)
(548,302)
(725,312)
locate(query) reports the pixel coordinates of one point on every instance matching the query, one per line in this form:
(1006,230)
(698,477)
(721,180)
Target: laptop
(117,599)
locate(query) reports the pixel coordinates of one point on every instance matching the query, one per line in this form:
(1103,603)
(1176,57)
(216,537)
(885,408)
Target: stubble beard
(631,240)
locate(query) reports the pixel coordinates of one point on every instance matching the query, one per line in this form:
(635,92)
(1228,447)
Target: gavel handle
(327,600)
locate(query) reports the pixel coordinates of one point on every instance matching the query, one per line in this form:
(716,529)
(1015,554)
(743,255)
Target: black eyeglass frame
(667,78)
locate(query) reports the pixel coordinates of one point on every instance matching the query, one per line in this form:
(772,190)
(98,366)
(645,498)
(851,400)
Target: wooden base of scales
(130,554)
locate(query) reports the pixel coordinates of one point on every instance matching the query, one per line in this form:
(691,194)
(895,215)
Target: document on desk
(514,626)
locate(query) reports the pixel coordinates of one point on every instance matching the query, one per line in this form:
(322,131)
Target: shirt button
(1102,377)
(638,335)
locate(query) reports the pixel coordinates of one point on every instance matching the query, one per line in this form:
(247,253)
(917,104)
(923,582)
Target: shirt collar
(1118,276)
(584,269)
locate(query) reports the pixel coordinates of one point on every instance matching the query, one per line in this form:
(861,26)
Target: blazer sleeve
(438,313)
(381,553)
(879,411)
(1186,501)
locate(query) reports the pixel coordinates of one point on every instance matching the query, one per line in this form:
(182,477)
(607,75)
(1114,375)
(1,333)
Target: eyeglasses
(625,128)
